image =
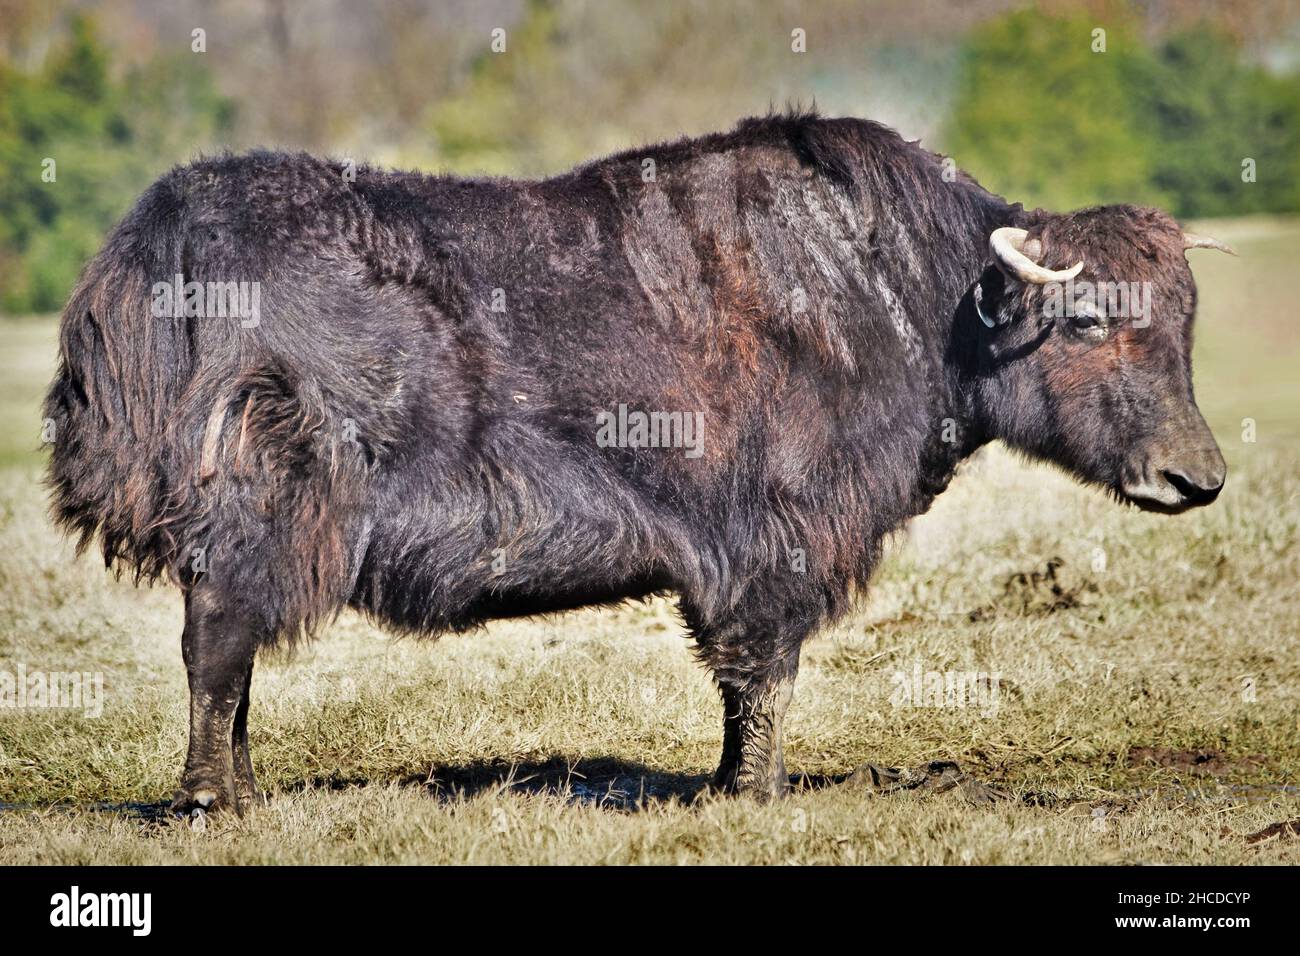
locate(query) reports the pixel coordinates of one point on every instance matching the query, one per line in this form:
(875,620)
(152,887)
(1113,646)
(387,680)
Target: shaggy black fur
(411,427)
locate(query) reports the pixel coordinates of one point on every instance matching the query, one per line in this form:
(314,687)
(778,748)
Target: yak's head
(1087,343)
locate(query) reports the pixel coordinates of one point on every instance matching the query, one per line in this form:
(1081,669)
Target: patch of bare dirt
(1210,763)
(1039,592)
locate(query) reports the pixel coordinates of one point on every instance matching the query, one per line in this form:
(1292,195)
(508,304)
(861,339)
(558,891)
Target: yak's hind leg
(755,659)
(218,645)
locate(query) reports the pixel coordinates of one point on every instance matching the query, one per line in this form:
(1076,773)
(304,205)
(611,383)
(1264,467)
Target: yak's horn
(1008,247)
(1192,241)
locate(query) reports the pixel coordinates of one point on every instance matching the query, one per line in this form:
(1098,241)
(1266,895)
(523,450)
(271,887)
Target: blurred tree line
(1050,113)
(1165,115)
(76,147)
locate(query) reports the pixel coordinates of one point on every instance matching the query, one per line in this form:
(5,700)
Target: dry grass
(583,739)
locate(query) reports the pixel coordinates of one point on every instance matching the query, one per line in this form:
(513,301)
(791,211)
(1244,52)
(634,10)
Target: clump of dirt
(1287,830)
(937,776)
(1040,592)
(1210,763)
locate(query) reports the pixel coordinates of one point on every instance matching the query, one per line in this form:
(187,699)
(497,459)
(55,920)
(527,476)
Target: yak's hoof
(246,800)
(761,790)
(203,799)
(763,794)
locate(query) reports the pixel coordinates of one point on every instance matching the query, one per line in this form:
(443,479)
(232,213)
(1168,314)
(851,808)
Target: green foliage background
(1019,97)
(1041,116)
(108,138)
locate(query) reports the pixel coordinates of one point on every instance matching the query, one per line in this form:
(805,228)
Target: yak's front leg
(218,646)
(246,793)
(752,758)
(754,655)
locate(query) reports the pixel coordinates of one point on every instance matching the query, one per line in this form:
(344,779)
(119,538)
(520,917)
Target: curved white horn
(1007,245)
(1192,241)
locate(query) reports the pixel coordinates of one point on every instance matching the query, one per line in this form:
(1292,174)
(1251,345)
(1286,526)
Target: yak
(724,368)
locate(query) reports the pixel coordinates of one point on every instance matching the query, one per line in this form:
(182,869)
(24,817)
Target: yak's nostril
(1194,491)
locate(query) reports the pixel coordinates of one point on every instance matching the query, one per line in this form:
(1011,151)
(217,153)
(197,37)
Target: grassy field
(1147,706)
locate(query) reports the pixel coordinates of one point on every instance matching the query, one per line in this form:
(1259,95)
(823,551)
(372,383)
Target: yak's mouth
(1156,505)
(1170,491)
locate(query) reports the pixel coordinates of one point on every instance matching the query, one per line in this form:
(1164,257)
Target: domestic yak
(724,368)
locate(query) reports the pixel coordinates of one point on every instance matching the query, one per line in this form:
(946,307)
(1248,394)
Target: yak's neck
(958,264)
(964,255)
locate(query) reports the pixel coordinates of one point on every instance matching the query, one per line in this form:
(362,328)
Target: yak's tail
(121,374)
(190,451)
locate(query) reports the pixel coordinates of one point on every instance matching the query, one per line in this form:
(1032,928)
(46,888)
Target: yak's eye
(1088,318)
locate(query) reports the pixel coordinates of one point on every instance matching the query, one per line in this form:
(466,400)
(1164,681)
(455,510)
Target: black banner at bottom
(132,905)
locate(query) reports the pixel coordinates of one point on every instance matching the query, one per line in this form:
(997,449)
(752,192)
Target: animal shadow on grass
(607,782)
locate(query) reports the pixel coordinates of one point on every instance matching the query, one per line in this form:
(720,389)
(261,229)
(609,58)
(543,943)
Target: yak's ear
(987,295)
(978,295)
